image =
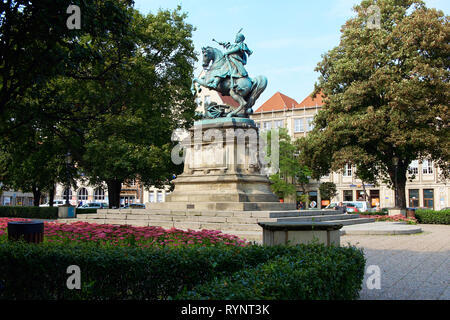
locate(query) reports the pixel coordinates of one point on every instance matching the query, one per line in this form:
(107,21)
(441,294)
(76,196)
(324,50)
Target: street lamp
(68,162)
(395,162)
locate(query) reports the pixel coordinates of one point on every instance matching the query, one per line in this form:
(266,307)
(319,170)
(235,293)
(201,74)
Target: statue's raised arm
(227,75)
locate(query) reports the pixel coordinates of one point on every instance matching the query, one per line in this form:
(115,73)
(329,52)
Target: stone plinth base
(292,233)
(221,206)
(222,170)
(396,211)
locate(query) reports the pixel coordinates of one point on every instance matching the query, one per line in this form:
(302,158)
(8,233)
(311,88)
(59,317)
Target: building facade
(426,188)
(16,198)
(132,192)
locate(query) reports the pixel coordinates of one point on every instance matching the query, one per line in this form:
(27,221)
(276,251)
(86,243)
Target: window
(279,124)
(267,125)
(427,167)
(82,194)
(298,125)
(348,195)
(310,121)
(67,192)
(160,197)
(428,198)
(99,194)
(347,170)
(151,197)
(414,167)
(414,198)
(258,125)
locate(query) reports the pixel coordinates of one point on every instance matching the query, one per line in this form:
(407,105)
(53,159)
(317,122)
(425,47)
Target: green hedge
(29,271)
(433,217)
(84,211)
(29,212)
(314,273)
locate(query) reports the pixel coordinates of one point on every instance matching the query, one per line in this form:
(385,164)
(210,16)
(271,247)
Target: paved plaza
(412,267)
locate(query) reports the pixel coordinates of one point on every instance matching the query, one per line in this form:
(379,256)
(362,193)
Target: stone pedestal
(223,170)
(396,211)
(292,233)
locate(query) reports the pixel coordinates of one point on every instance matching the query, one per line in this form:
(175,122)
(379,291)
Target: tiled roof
(228,100)
(277,102)
(310,102)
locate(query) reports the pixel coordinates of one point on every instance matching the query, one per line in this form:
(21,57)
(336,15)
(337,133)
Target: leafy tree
(291,171)
(133,140)
(31,162)
(327,190)
(37,46)
(387,93)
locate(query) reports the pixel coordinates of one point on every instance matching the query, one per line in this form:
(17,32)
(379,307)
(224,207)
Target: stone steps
(223,206)
(318,218)
(243,224)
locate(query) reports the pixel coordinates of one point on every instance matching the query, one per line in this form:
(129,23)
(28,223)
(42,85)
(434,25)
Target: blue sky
(287,37)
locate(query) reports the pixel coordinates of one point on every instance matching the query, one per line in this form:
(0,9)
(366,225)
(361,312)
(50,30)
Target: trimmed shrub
(38,271)
(30,271)
(433,217)
(86,210)
(29,212)
(315,272)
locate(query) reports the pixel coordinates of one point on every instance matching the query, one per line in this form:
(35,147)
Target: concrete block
(116,216)
(261,214)
(187,225)
(116,221)
(241,220)
(159,217)
(138,223)
(137,216)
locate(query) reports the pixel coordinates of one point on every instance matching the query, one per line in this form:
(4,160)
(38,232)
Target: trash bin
(30,231)
(410,212)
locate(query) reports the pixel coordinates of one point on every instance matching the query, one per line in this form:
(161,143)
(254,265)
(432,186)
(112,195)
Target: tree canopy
(112,94)
(386,95)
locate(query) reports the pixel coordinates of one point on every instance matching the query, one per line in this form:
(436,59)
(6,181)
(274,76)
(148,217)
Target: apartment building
(132,192)
(426,188)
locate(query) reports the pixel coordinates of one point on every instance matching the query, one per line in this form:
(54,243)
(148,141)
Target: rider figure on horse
(236,56)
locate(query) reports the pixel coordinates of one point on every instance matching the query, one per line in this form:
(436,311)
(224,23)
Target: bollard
(30,231)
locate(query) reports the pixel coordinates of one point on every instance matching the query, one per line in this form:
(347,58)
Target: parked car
(56,203)
(94,205)
(134,206)
(352,206)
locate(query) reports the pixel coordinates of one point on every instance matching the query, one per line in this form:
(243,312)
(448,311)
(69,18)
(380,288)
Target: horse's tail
(258,86)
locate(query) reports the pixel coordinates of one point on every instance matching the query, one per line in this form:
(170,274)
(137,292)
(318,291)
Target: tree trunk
(36,196)
(398,180)
(51,195)
(114,188)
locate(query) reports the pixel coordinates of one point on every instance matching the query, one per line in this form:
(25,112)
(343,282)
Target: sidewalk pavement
(413,267)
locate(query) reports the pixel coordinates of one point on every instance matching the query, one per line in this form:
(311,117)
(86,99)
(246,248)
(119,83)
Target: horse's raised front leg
(201,82)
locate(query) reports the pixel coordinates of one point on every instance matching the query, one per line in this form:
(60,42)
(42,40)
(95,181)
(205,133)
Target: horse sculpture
(243,90)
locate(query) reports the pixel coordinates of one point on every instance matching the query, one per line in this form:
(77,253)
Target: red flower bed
(124,235)
(396,218)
